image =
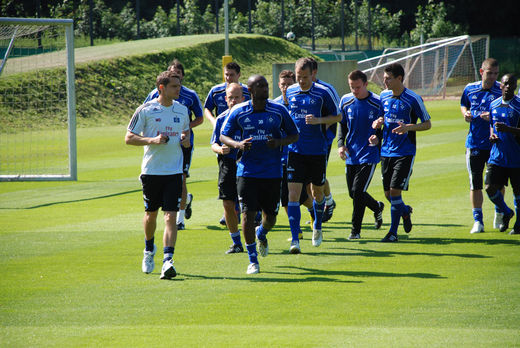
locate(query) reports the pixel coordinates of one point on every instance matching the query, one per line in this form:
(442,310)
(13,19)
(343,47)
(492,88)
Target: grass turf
(71,254)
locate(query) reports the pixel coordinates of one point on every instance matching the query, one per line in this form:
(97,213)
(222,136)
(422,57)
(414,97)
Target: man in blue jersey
(357,146)
(227,174)
(313,109)
(287,78)
(504,158)
(190,99)
(474,105)
(330,204)
(402,108)
(161,126)
(215,103)
(265,126)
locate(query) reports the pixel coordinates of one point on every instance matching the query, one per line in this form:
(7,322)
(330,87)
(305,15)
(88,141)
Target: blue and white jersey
(152,119)
(215,137)
(506,152)
(477,100)
(285,149)
(318,101)
(259,161)
(217,97)
(406,108)
(188,98)
(331,131)
(357,117)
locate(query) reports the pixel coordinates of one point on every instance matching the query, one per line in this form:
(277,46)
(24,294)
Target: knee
(491,190)
(170,217)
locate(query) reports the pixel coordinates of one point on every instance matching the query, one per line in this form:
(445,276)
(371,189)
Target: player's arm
(342,134)
(209,116)
(243,145)
(196,122)
(327,120)
(466,113)
(274,142)
(185,138)
(139,140)
(502,127)
(410,127)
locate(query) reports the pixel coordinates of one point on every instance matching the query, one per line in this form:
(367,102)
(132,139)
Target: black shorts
(475,161)
(227,178)
(499,176)
(359,177)
(162,191)
(284,195)
(396,172)
(307,168)
(187,152)
(256,194)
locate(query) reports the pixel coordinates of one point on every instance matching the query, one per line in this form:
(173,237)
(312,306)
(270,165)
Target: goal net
(37,100)
(438,68)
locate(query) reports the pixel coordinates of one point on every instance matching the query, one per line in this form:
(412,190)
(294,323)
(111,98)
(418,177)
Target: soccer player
(190,99)
(504,158)
(161,125)
(474,106)
(216,99)
(402,108)
(265,126)
(330,204)
(287,78)
(227,173)
(357,146)
(312,108)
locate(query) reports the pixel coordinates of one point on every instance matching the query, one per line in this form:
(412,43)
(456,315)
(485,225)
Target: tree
(431,22)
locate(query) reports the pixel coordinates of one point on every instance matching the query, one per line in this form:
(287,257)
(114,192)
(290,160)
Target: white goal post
(439,68)
(37,100)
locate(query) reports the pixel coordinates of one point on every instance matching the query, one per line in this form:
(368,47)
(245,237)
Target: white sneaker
(253,268)
(497,221)
(478,227)
(148,262)
(317,237)
(168,271)
(295,247)
(263,247)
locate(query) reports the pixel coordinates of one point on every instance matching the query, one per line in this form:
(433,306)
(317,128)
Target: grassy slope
(71,257)
(113,80)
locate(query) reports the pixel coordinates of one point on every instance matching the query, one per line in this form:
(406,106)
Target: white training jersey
(152,119)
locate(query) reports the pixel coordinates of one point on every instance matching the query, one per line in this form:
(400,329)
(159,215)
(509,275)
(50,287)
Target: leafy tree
(431,22)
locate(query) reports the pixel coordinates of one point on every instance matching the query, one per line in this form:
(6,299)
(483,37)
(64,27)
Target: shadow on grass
(74,200)
(313,271)
(261,278)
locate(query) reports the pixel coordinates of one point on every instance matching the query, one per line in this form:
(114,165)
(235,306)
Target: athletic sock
(397,209)
(318,213)
(235,237)
(517,211)
(261,233)
(498,199)
(168,253)
(149,244)
(477,215)
(251,252)
(294,214)
(180,216)
(328,199)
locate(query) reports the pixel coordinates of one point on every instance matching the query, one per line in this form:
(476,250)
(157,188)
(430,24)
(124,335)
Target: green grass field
(71,259)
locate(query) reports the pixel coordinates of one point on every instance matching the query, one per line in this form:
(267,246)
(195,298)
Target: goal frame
(71,99)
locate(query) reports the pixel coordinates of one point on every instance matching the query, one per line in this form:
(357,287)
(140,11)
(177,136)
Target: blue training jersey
(217,97)
(188,98)
(331,131)
(357,118)
(215,137)
(477,100)
(318,101)
(506,152)
(406,108)
(285,149)
(260,161)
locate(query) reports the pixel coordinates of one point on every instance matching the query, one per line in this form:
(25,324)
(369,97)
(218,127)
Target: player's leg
(227,192)
(152,196)
(269,200)
(496,178)
(362,176)
(247,189)
(317,167)
(514,177)
(185,207)
(171,202)
(330,204)
(475,162)
(295,180)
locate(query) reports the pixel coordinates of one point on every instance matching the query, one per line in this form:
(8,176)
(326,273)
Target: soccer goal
(438,68)
(37,100)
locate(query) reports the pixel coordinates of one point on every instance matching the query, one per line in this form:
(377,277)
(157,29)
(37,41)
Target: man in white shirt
(161,126)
